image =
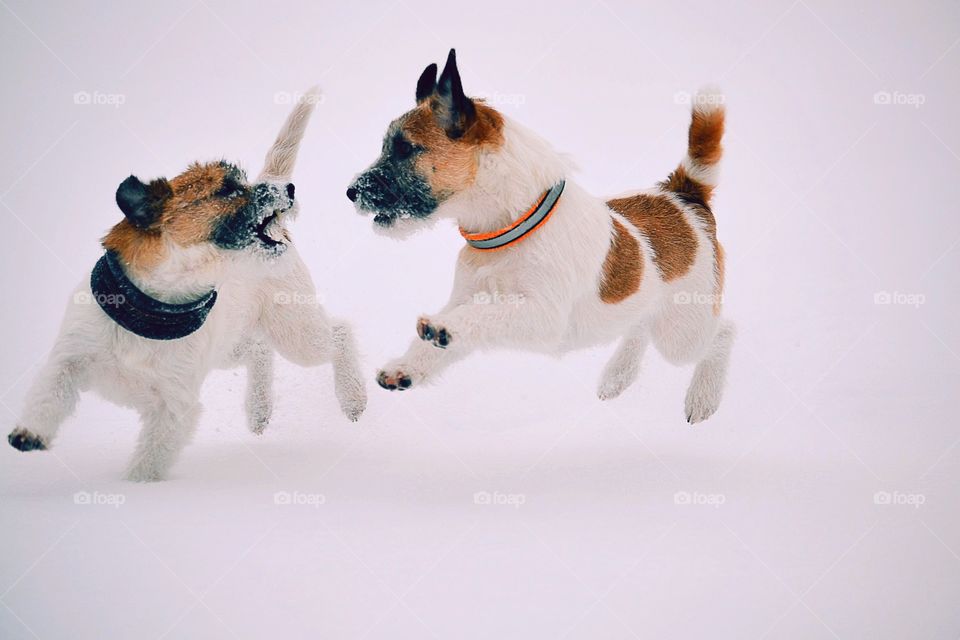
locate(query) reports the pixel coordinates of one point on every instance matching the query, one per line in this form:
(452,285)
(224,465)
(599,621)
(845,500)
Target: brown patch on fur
(662,222)
(450,165)
(138,249)
(188,217)
(191,213)
(704,148)
(687,188)
(706,131)
(622,268)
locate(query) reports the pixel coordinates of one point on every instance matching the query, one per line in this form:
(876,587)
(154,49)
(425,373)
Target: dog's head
(430,154)
(210,205)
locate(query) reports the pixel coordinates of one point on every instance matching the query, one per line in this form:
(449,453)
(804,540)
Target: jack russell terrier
(199,274)
(548,267)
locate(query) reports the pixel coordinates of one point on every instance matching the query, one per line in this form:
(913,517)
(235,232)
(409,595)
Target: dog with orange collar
(547,266)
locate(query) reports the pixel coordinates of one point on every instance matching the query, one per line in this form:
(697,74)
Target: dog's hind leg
(348,384)
(706,387)
(258,358)
(51,399)
(622,369)
(168,425)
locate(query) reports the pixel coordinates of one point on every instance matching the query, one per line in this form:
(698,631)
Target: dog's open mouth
(270,230)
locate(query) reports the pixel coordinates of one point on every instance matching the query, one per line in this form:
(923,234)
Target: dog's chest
(137,361)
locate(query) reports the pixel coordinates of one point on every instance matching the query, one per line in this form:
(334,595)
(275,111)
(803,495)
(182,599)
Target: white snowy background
(821,501)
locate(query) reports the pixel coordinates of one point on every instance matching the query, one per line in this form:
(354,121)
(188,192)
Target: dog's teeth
(274,231)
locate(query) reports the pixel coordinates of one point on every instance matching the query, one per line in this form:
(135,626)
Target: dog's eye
(229,190)
(401,148)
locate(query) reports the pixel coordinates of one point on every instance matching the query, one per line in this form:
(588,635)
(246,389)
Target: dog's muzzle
(391,193)
(259,223)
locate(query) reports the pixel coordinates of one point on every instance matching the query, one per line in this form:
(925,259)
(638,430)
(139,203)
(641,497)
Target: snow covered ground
(508,502)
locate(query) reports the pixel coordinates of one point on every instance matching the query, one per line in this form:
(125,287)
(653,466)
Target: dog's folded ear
(142,203)
(454,111)
(427,83)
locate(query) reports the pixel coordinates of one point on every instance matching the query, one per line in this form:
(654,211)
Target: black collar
(137,312)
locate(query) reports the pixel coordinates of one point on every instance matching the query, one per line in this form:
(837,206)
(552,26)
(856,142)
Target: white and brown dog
(193,278)
(547,266)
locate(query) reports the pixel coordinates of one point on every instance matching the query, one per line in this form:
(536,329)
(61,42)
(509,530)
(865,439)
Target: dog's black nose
(352,194)
(290,190)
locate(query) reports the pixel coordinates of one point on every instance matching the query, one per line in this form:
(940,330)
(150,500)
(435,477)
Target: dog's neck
(185,274)
(509,181)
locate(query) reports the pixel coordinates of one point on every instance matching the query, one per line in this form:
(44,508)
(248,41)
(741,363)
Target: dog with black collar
(547,266)
(201,273)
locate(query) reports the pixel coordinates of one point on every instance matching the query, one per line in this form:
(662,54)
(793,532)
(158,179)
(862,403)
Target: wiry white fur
(278,165)
(162,379)
(556,272)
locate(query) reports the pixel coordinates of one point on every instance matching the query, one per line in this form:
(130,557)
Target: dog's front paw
(144,473)
(23,440)
(610,389)
(430,332)
(353,402)
(259,411)
(394,379)
(258,424)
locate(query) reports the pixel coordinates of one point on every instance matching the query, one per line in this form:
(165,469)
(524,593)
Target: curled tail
(278,165)
(696,177)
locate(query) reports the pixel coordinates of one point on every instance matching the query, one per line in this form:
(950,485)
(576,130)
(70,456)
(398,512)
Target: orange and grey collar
(522,227)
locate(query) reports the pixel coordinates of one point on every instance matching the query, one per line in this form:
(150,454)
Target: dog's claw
(23,440)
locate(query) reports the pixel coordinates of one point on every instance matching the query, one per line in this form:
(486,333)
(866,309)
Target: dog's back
(675,220)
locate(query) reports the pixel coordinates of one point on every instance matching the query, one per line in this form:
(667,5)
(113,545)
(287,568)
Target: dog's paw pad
(396,381)
(23,440)
(429,332)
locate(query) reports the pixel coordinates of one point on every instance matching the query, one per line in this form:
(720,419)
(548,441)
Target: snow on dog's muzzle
(391,194)
(259,224)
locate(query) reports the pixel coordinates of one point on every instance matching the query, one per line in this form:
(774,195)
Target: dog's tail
(278,165)
(696,177)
